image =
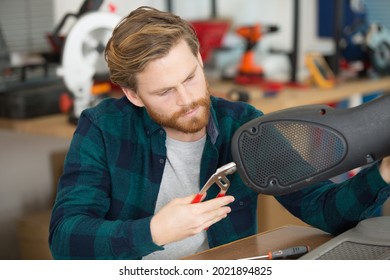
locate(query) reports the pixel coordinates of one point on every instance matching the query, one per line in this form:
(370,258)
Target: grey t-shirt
(180,178)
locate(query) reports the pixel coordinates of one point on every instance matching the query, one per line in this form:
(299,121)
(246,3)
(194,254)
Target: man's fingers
(208,212)
(209,218)
(209,221)
(216,203)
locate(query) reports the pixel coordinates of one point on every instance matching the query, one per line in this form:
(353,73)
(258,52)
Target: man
(136,163)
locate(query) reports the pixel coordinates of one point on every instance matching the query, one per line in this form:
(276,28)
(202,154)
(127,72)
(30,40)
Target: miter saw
(83,66)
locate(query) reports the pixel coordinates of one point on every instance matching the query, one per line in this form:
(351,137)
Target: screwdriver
(288,253)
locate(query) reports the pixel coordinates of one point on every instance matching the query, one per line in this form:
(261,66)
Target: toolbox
(32,99)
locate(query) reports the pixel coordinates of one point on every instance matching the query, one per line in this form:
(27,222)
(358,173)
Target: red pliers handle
(219,178)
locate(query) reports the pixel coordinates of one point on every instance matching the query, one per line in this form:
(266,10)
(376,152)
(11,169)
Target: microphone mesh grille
(289,151)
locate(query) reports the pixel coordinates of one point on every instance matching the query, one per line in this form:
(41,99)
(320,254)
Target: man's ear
(133,97)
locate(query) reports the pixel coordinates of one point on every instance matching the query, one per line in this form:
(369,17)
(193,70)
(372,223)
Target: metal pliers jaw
(219,178)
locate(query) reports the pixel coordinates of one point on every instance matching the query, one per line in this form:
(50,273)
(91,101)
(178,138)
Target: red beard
(192,125)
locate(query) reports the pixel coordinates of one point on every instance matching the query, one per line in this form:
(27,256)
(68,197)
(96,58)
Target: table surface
(59,126)
(297,96)
(261,243)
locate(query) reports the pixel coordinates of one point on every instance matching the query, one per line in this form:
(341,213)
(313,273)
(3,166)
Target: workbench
(260,244)
(292,96)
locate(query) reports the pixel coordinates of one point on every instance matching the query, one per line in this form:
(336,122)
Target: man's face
(174,91)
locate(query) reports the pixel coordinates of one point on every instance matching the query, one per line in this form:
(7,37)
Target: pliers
(219,177)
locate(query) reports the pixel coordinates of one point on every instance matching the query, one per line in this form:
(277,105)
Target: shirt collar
(212,126)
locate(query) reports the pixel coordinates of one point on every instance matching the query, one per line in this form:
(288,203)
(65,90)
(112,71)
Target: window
(25,23)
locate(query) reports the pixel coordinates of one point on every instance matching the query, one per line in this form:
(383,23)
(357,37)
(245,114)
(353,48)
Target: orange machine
(248,70)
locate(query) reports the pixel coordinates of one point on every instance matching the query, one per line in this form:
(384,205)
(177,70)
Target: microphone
(288,150)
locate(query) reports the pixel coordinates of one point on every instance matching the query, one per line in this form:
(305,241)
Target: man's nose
(183,96)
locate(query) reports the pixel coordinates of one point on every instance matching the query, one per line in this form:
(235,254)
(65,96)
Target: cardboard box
(33,234)
(33,229)
(271,214)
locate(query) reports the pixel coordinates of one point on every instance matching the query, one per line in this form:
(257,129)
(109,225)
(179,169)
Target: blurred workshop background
(275,54)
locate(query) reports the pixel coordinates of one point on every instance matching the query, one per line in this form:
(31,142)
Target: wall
(26,182)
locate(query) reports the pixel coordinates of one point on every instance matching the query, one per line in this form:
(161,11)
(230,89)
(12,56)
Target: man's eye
(190,78)
(162,93)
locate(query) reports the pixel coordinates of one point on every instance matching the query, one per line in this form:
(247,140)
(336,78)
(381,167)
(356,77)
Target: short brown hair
(144,35)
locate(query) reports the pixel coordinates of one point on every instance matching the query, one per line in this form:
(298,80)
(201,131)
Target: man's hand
(384,169)
(180,219)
